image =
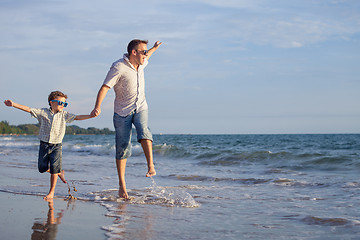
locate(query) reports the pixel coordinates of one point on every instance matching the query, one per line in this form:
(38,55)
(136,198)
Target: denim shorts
(123,129)
(50,154)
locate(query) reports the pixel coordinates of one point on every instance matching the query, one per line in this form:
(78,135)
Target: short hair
(134,43)
(56,94)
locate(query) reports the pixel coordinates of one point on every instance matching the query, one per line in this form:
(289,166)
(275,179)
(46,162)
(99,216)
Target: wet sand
(30,217)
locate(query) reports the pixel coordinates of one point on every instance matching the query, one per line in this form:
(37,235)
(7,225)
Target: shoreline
(27,134)
(29,216)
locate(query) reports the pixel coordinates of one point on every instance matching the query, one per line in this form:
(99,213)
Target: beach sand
(30,217)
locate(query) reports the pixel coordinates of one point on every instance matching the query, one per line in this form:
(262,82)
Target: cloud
(82,26)
(242,52)
(281,24)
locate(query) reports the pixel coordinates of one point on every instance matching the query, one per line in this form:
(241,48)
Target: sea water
(207,186)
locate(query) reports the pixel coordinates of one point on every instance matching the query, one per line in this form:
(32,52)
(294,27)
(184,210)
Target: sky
(225,67)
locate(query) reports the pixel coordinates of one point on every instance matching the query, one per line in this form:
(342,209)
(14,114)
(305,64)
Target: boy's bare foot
(123,193)
(62,176)
(151,172)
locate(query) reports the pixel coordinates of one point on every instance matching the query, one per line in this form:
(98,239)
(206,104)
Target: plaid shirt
(52,126)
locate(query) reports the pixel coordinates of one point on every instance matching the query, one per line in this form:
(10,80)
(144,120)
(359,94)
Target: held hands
(96,112)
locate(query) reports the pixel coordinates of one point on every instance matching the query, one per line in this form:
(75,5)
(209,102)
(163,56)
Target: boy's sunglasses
(60,102)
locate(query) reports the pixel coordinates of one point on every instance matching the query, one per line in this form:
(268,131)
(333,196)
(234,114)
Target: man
(126,76)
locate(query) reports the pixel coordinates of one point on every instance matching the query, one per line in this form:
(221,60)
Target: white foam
(155,195)
(352,185)
(172,197)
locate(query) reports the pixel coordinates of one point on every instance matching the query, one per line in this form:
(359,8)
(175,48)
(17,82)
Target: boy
(52,130)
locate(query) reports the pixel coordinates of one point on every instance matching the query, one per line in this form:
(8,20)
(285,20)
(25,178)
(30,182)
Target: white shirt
(129,86)
(52,126)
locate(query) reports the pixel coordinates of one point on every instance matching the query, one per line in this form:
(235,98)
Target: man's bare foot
(51,203)
(62,176)
(48,197)
(123,193)
(151,172)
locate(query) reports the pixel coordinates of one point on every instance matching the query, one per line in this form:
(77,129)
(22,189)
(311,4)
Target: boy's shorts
(50,154)
(123,129)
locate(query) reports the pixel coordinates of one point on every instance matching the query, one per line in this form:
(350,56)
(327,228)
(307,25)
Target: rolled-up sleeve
(69,117)
(35,112)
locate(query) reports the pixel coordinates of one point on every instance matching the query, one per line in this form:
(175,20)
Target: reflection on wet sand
(47,229)
(123,226)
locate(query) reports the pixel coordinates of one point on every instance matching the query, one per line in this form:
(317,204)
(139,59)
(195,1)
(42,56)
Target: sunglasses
(60,102)
(143,52)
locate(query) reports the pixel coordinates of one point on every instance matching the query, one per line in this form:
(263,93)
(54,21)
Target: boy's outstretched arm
(82,117)
(10,103)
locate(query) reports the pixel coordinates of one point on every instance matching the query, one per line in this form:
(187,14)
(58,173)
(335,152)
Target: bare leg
(147,148)
(121,165)
(53,180)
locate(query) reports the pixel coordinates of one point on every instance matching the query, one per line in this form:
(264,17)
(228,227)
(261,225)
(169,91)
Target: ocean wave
(14,143)
(312,220)
(170,151)
(232,158)
(285,152)
(93,149)
(326,160)
(231,181)
(196,178)
(294,152)
(352,185)
(286,182)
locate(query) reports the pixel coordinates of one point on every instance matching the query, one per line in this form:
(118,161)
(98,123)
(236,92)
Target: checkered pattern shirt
(52,126)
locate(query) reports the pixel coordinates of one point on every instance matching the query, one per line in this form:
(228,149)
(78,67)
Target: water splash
(173,197)
(153,195)
(71,196)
